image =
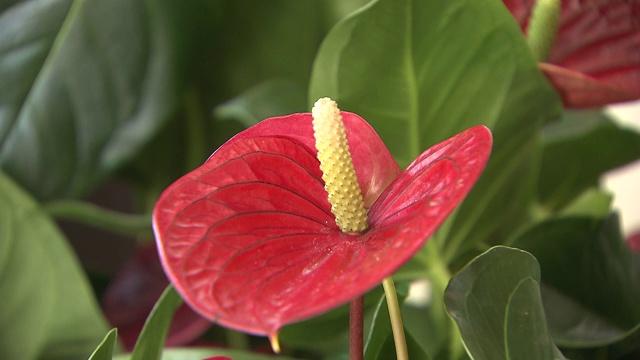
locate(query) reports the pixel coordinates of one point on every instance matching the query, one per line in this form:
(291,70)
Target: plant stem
(356,328)
(90,214)
(396,318)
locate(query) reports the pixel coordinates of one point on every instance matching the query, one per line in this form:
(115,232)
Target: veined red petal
(426,193)
(374,164)
(227,230)
(248,238)
(598,46)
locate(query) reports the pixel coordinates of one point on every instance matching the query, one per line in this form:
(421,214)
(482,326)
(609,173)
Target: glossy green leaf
(421,71)
(151,341)
(495,300)
(48,310)
(84,85)
(104,351)
(565,171)
(591,289)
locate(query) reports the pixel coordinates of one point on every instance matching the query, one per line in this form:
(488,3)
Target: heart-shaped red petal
(249,240)
(372,161)
(598,44)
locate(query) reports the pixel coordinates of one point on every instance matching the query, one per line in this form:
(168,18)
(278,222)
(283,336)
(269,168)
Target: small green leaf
(495,300)
(578,150)
(48,309)
(151,341)
(104,351)
(591,288)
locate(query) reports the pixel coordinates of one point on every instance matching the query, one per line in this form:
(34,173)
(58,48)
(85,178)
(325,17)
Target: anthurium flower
(595,59)
(249,238)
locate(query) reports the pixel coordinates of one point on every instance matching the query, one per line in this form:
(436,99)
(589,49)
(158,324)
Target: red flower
(595,60)
(249,239)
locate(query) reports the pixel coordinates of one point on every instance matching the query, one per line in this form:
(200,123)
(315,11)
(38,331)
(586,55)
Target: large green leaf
(48,310)
(421,71)
(591,288)
(496,303)
(84,84)
(578,150)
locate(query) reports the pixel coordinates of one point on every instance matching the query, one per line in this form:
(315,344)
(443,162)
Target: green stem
(90,214)
(543,27)
(396,318)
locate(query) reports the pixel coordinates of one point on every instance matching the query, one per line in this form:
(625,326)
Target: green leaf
(577,150)
(269,98)
(84,85)
(151,341)
(495,300)
(48,309)
(422,71)
(591,288)
(104,351)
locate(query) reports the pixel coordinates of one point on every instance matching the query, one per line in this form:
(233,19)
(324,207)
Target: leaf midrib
(414,113)
(46,65)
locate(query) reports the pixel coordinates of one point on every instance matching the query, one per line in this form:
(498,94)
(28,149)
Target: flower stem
(356,328)
(90,214)
(396,318)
